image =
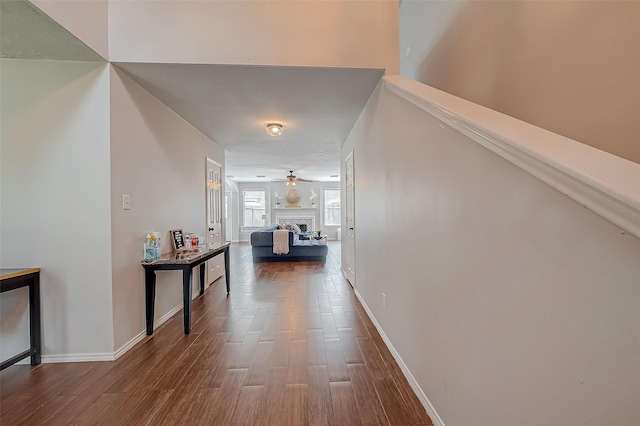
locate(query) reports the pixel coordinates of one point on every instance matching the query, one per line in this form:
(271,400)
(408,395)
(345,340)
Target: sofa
(301,247)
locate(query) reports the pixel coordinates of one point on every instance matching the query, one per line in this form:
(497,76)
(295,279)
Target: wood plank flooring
(291,345)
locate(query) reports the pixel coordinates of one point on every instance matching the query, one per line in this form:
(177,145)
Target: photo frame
(177,239)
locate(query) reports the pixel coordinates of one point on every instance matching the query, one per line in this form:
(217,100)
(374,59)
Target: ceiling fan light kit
(292,179)
(275,129)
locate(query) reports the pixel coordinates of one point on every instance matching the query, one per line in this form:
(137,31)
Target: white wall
(567,66)
(231,227)
(88,20)
(362,34)
(159,160)
(273,211)
(509,302)
(55,203)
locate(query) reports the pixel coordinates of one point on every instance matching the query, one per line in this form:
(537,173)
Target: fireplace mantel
(295,209)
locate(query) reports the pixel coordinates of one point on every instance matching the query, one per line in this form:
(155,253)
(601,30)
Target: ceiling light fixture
(274,129)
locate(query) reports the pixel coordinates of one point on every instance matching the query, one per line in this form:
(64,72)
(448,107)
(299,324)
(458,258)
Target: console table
(185,262)
(11,279)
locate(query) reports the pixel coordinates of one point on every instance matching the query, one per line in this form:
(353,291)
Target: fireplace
(310,221)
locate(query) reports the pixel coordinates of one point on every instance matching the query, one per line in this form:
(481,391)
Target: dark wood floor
(290,346)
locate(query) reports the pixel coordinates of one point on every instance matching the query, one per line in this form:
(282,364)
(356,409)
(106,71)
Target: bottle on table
(149,250)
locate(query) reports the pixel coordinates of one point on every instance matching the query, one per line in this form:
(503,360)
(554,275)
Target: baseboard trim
(140,337)
(169,314)
(431,411)
(53,359)
(130,344)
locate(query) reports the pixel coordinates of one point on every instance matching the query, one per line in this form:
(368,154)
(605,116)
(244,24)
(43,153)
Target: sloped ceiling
(28,33)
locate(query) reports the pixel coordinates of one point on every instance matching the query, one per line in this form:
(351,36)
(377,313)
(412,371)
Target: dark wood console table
(11,279)
(185,262)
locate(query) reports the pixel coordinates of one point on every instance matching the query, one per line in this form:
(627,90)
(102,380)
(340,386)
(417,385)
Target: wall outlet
(384,301)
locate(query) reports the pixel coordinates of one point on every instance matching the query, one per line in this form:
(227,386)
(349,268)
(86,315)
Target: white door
(350,240)
(215,266)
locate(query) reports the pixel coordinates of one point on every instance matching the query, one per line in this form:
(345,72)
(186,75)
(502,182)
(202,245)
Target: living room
(314,204)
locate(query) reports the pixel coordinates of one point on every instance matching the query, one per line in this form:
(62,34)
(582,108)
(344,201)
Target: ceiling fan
(292,179)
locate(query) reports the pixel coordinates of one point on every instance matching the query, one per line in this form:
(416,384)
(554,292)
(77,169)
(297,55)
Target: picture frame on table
(177,240)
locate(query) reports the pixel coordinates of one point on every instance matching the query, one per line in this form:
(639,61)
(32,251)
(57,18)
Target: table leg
(187,272)
(226,268)
(34,320)
(202,272)
(150,297)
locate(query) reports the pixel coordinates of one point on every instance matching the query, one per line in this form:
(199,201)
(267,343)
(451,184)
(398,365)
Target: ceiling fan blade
(302,180)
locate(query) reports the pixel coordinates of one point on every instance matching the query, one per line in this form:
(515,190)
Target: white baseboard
(130,344)
(431,411)
(51,359)
(169,314)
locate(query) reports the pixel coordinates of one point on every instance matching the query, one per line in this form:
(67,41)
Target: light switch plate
(126,202)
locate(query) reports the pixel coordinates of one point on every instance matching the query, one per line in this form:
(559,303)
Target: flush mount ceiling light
(274,129)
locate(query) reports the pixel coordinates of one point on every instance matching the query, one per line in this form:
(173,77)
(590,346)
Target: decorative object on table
(152,246)
(177,239)
(319,231)
(190,241)
(293,198)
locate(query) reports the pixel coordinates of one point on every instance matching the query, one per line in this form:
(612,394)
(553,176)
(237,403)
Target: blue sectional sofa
(300,250)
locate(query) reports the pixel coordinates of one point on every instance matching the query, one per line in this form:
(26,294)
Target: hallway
(291,345)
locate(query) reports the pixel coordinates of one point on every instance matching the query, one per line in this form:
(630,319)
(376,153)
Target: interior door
(215,266)
(350,240)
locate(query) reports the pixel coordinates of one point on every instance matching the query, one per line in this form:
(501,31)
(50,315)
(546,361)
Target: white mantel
(295,209)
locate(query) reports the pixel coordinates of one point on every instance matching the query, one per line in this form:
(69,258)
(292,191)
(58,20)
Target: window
(331,207)
(254,208)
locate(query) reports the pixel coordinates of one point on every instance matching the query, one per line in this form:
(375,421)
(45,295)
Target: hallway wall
(360,34)
(567,66)
(508,302)
(55,206)
(159,160)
